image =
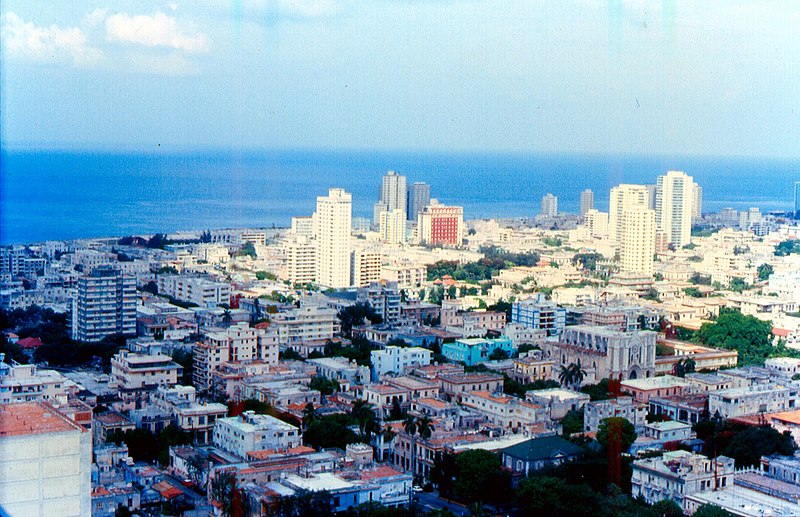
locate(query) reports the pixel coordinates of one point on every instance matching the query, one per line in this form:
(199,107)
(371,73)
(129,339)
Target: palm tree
(226,317)
(363,413)
(578,373)
(572,375)
(425,427)
(310,415)
(410,426)
(565,375)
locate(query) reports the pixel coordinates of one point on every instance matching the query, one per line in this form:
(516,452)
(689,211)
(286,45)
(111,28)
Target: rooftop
(25,418)
(543,448)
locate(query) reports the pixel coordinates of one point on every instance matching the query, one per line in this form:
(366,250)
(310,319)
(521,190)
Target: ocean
(68,195)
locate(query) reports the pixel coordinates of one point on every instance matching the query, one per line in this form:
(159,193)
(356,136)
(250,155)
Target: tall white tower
(638,240)
(587,201)
(549,205)
(394,195)
(332,226)
(622,197)
(675,200)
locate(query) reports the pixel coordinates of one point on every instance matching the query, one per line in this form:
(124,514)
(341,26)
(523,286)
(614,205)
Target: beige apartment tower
(332,223)
(623,197)
(638,240)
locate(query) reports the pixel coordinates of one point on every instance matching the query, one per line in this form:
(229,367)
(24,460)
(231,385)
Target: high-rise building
(365,265)
(105,305)
(549,205)
(587,201)
(392,226)
(45,461)
(797,199)
(697,207)
(393,195)
(638,240)
(441,224)
(624,196)
(419,196)
(675,199)
(596,222)
(301,260)
(332,224)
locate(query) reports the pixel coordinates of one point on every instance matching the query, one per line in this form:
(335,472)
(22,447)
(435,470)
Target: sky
(563,76)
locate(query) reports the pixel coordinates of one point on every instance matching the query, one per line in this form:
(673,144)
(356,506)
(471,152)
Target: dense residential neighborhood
(625,361)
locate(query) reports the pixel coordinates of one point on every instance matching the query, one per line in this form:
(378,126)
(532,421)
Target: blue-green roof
(544,448)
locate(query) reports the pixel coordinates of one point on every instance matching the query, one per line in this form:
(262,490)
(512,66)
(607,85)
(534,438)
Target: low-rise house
(396,359)
(132,371)
(654,435)
(28,383)
(510,413)
(624,407)
(346,372)
(476,350)
(532,368)
(558,401)
(642,389)
(456,385)
(688,409)
(750,401)
(539,453)
(109,422)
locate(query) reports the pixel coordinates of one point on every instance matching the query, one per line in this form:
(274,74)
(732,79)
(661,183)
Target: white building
(623,407)
(510,413)
(365,266)
(679,474)
(304,324)
(419,196)
(675,205)
(251,432)
(766,398)
(27,383)
(301,260)
(393,191)
(622,197)
(105,305)
(236,343)
(392,226)
(397,358)
(549,205)
(637,245)
(130,370)
(45,462)
(200,291)
(596,223)
(332,222)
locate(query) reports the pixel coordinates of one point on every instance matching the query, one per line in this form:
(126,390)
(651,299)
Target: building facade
(332,226)
(105,305)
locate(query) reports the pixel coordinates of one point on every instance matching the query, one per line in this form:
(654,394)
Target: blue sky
(671,77)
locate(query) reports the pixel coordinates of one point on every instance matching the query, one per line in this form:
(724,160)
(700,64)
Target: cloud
(158,30)
(25,40)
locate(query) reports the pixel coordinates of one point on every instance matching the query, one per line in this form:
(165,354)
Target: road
(432,501)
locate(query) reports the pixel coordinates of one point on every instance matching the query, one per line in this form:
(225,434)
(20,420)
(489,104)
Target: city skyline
(603,77)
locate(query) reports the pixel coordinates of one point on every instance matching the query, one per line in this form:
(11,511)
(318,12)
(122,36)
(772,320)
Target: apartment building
(304,324)
(395,359)
(27,383)
(539,314)
(251,432)
(510,413)
(104,305)
(133,371)
(200,291)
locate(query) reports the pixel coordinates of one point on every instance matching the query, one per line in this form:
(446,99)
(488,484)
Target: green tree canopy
(615,424)
(749,445)
(479,477)
(732,330)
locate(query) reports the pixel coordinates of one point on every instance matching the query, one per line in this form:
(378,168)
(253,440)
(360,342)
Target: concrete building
(538,454)
(395,359)
(419,196)
(679,474)
(597,223)
(532,368)
(392,226)
(342,370)
(441,224)
(587,201)
(549,206)
(365,266)
(236,343)
(304,324)
(105,305)
(509,413)
(251,432)
(625,196)
(697,204)
(332,226)
(764,398)
(637,245)
(301,260)
(384,298)
(539,314)
(623,407)
(45,462)
(27,383)
(199,291)
(132,371)
(675,205)
(303,226)
(472,351)
(456,385)
(558,401)
(394,193)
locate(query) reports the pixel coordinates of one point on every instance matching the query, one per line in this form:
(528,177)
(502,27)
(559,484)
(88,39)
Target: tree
(305,503)
(764,271)
(572,422)
(310,415)
(619,426)
(732,330)
(498,354)
(324,385)
(711,510)
(355,315)
(599,391)
(410,427)
(552,497)
(572,375)
(684,366)
(749,445)
(185,358)
(667,508)
(480,477)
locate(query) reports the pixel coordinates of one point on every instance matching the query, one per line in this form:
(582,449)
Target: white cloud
(25,40)
(96,17)
(158,30)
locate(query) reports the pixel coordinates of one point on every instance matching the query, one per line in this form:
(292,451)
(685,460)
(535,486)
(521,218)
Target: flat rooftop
(25,418)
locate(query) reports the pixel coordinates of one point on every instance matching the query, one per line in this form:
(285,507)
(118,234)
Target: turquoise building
(475,350)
